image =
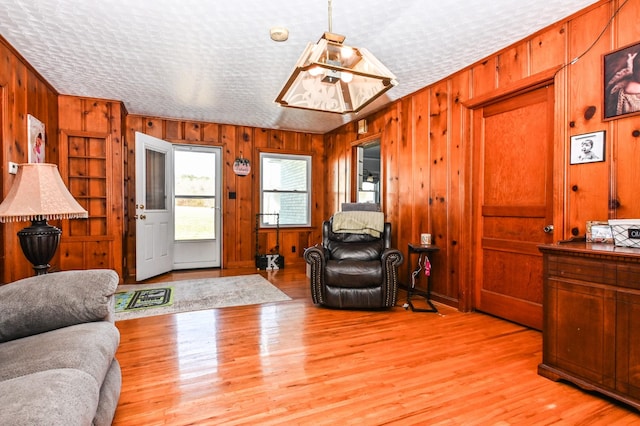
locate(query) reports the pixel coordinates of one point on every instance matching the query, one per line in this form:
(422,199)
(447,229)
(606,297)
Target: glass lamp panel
(310,92)
(363,89)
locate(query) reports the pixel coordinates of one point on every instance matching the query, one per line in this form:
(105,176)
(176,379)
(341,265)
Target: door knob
(143,216)
(548,229)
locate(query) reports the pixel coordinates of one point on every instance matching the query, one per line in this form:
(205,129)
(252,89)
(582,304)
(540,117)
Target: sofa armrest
(51,301)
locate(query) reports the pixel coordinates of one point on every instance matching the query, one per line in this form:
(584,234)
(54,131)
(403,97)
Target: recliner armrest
(316,255)
(392,257)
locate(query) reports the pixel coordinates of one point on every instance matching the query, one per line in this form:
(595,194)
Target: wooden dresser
(591,318)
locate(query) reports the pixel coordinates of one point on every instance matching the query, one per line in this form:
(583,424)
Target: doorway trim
(191,249)
(353,175)
(556,78)
(166,254)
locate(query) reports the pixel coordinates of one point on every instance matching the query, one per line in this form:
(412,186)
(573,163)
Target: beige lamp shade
(37,193)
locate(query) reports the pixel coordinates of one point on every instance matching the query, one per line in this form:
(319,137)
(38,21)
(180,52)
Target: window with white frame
(285,182)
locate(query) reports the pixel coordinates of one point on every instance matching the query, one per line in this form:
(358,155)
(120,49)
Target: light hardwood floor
(293,363)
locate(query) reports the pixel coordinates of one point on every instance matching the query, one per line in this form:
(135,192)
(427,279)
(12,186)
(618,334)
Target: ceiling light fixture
(279,34)
(332,77)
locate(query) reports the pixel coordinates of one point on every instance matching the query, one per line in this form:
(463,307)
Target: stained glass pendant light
(333,77)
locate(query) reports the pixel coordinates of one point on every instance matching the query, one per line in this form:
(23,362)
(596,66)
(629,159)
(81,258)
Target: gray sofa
(57,349)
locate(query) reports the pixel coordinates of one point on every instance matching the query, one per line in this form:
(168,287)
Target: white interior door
(154,208)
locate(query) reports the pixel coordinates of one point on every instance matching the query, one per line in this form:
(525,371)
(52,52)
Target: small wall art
(587,148)
(621,82)
(35,129)
(241,166)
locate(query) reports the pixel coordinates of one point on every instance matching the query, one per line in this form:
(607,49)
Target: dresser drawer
(628,276)
(577,268)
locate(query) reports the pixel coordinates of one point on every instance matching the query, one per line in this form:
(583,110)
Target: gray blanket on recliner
(358,222)
(57,349)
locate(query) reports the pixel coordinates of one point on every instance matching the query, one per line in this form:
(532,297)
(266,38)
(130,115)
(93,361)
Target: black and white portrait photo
(587,148)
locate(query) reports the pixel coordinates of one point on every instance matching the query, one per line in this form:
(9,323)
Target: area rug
(206,293)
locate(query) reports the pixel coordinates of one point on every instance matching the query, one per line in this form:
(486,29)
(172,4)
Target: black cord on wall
(606,27)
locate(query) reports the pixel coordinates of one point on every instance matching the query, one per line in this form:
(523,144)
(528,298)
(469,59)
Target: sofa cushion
(89,347)
(46,302)
(53,397)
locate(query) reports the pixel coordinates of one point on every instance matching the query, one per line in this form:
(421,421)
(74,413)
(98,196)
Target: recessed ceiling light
(279,33)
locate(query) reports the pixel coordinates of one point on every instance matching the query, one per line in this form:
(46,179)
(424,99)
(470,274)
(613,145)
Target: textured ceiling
(213,61)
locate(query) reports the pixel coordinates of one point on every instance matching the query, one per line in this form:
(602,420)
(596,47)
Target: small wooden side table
(423,251)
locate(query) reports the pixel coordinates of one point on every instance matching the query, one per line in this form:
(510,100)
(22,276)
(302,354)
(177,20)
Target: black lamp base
(39,243)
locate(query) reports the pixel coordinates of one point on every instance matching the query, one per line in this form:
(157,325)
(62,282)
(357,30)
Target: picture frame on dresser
(598,232)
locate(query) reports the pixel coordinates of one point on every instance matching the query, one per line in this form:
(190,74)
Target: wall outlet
(13,168)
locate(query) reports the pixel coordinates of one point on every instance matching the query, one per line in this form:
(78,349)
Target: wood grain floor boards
(293,363)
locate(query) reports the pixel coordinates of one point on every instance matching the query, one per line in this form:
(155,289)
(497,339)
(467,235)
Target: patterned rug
(200,294)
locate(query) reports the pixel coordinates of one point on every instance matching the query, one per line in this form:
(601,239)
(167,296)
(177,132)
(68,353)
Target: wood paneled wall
(239,213)
(425,145)
(426,142)
(22,91)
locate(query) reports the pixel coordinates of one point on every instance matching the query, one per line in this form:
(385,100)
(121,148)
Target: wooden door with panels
(513,203)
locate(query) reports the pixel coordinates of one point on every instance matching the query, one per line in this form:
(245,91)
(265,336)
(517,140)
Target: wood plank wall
(426,142)
(22,91)
(425,145)
(239,214)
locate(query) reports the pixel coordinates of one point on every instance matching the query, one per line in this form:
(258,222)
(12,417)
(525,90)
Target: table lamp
(38,194)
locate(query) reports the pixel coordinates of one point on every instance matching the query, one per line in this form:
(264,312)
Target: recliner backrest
(347,246)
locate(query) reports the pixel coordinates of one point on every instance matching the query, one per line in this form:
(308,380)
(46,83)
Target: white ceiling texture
(213,60)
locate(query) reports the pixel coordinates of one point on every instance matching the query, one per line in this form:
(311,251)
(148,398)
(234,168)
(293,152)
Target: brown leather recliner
(355,271)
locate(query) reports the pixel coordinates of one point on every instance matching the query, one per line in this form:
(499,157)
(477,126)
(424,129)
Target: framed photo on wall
(621,82)
(36,139)
(587,148)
